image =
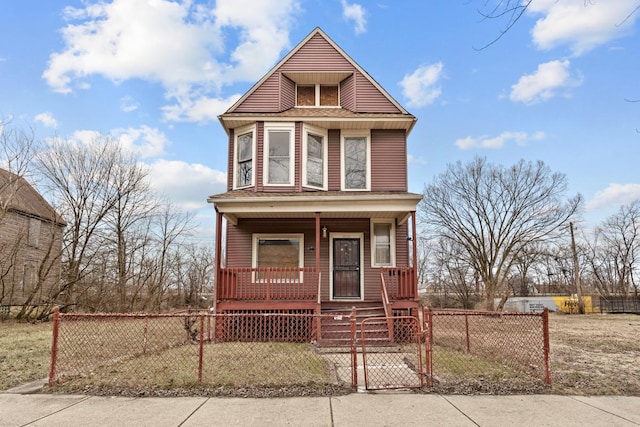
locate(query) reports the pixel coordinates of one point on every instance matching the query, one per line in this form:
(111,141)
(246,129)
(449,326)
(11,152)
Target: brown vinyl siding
(333,154)
(231,168)
(369,99)
(239,246)
(259,156)
(388,160)
(264,99)
(287,94)
(348,94)
(316,55)
(402,245)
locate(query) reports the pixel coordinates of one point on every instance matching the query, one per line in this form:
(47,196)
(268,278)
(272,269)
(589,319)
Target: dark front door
(346,268)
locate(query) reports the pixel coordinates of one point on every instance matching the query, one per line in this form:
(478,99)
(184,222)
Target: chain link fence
(487,351)
(284,354)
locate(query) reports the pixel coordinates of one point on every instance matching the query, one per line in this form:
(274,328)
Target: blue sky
(156,74)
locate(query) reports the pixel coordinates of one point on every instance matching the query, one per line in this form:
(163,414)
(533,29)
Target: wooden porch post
(415,253)
(218,255)
(317,241)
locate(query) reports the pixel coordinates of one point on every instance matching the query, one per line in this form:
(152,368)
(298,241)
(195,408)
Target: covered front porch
(335,240)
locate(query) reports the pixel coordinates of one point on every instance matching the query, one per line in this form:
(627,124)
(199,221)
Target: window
(33,237)
(279,151)
(318,96)
(329,95)
(243,154)
(382,243)
(314,155)
(279,251)
(355,162)
(306,96)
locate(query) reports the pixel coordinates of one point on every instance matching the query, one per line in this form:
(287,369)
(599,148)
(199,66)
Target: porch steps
(336,327)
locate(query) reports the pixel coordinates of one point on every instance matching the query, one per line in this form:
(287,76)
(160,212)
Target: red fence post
(354,351)
(428,339)
(545,332)
(201,349)
(54,345)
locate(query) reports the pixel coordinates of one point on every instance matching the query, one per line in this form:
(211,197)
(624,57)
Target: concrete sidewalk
(358,409)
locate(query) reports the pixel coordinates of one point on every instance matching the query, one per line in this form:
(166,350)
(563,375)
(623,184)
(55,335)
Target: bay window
(243,157)
(278,169)
(314,166)
(355,152)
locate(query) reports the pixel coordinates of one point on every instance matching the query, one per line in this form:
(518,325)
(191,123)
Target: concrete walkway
(358,409)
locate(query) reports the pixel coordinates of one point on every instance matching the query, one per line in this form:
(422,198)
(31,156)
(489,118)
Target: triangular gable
(326,56)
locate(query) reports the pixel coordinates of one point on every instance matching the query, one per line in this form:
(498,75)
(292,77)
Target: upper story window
(33,235)
(244,154)
(314,157)
(279,150)
(356,161)
(317,95)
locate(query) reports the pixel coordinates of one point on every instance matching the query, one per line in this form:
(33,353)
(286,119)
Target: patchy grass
(24,352)
(590,355)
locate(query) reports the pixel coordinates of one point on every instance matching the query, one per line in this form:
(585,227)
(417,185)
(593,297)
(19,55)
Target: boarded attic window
(306,96)
(329,95)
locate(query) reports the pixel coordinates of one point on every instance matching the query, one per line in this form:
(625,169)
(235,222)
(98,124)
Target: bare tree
(494,212)
(614,251)
(79,177)
(16,153)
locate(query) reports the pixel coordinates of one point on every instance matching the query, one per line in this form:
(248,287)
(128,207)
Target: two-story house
(317,215)
(30,244)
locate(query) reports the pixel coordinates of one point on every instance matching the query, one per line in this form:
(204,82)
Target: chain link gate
(392,353)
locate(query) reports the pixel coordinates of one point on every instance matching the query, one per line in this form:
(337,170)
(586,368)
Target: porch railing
(268,284)
(399,282)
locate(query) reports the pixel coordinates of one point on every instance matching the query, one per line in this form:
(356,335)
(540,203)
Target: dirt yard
(595,354)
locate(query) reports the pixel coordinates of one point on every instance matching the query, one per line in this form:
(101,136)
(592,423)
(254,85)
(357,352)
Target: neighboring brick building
(30,244)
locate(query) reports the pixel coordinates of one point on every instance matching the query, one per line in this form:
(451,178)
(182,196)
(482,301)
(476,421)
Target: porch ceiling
(236,205)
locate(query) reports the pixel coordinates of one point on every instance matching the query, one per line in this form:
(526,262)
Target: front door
(346,267)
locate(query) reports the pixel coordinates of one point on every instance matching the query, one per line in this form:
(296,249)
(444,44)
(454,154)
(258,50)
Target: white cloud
(519,138)
(128,104)
(196,183)
(47,120)
(199,110)
(582,25)
(614,194)
(144,141)
(544,83)
(420,87)
(355,12)
(178,44)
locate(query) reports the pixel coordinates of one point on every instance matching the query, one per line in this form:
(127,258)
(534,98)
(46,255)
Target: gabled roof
(17,195)
(317,31)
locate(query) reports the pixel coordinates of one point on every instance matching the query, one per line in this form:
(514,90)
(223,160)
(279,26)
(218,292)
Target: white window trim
(317,89)
(352,236)
(277,236)
(392,246)
(291,128)
(237,132)
(325,155)
(351,134)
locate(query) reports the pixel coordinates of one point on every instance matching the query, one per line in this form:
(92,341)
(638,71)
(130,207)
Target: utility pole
(576,271)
